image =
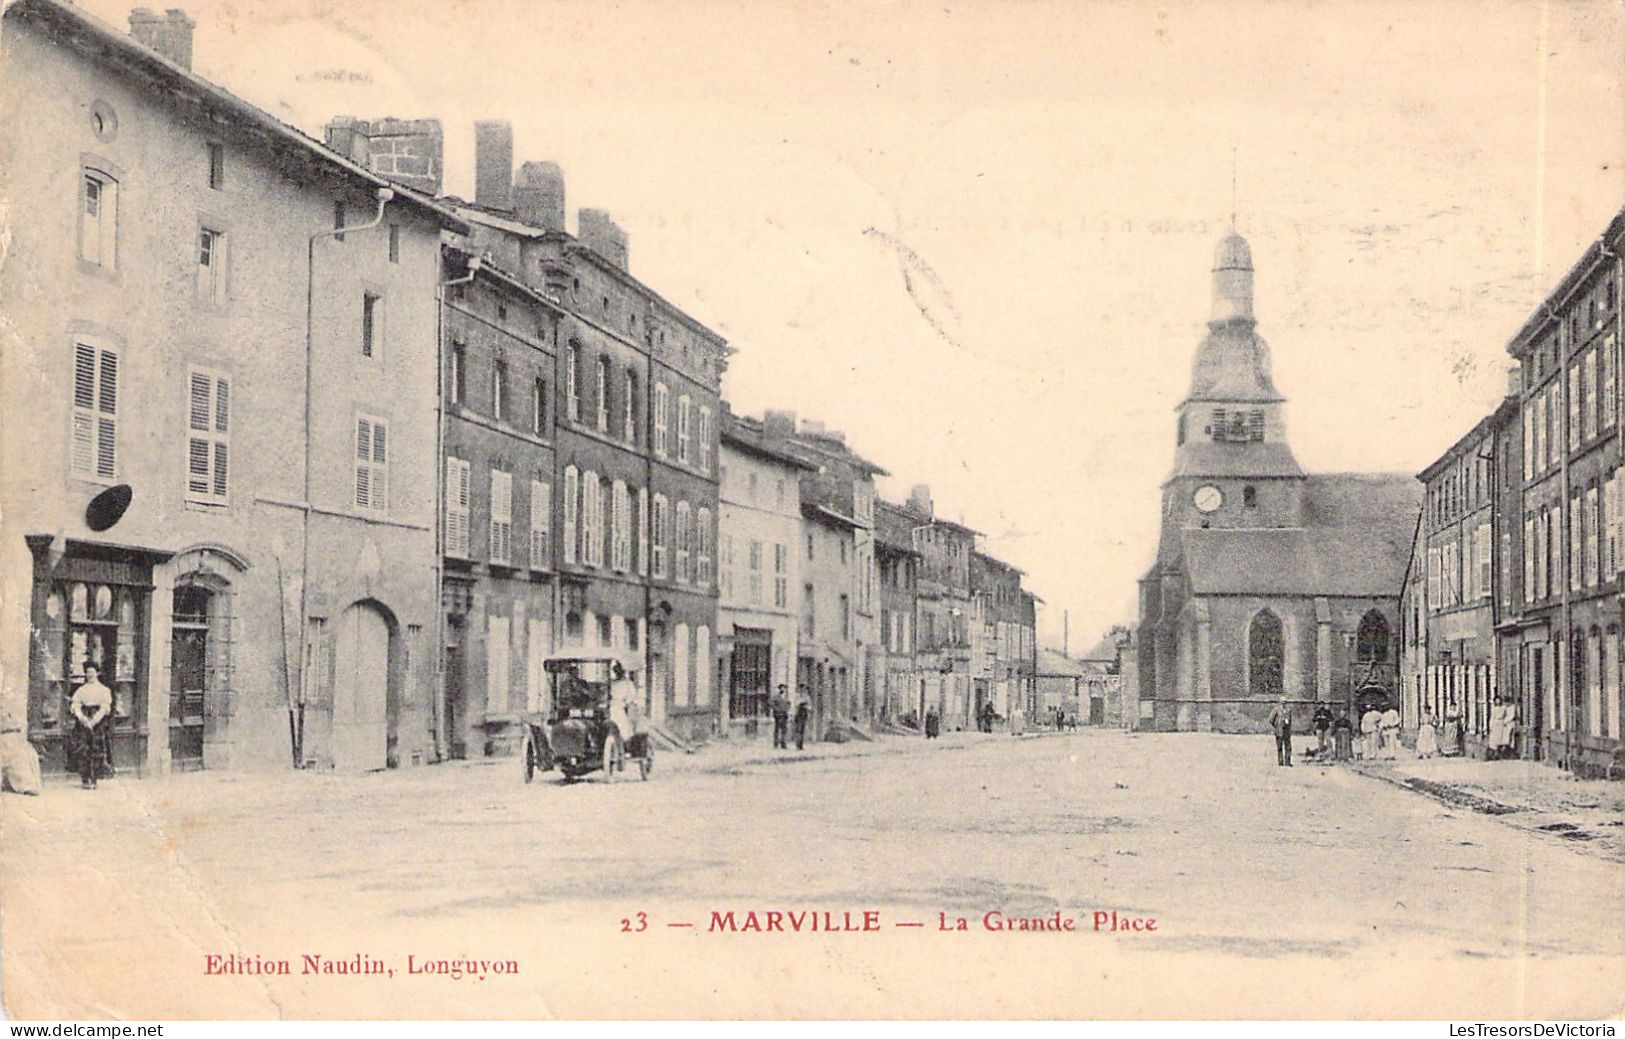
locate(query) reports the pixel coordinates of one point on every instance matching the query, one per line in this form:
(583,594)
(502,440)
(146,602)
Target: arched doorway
(1266,657)
(361,689)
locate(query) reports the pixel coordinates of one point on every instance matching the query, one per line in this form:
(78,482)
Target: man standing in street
(1281,722)
(803,712)
(1323,727)
(781,719)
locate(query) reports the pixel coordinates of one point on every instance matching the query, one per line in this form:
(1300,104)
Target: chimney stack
(538,195)
(779,425)
(1515,380)
(406,151)
(493,164)
(602,235)
(170,33)
(919,500)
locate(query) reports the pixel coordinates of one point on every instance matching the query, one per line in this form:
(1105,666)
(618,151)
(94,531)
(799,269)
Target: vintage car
(581,733)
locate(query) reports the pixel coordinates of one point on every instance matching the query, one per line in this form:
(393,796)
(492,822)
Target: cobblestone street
(124,892)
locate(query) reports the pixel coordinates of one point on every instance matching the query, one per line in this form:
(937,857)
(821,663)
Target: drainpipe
(383,196)
(439,704)
(1565,681)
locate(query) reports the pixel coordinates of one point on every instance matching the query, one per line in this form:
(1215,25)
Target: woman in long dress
(1370,723)
(1390,734)
(1427,738)
(1450,741)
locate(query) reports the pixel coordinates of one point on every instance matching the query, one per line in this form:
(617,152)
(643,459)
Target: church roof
(1233,365)
(1355,541)
(1260,459)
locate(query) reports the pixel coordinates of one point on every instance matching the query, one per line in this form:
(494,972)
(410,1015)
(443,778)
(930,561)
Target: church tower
(1232,464)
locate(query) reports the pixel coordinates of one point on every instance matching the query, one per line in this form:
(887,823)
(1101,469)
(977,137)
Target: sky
(976,237)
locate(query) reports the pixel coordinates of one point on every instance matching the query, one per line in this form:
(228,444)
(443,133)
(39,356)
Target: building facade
(1565,632)
(227,328)
(1448,653)
(897,567)
(759,559)
(1265,575)
(499,471)
(946,611)
(635,411)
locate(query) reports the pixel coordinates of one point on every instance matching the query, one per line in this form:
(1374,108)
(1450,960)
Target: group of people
(1445,740)
(1336,738)
(782,718)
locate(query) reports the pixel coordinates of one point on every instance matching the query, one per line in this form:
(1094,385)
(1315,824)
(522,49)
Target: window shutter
(541,514)
(572,499)
(457,503)
(501,516)
(643,531)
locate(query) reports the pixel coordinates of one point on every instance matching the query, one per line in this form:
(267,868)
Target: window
(456,381)
(211,266)
(1588,395)
(572,383)
(601,392)
(781,579)
(371,464)
(1576,544)
(1608,395)
(629,396)
(1572,433)
(98,220)
(541,516)
(95,411)
(606,630)
(809,547)
(682,428)
(1590,559)
(778,494)
(705,440)
(458,479)
(683,533)
(572,505)
(753,586)
(338,220)
(217,166)
(1249,497)
(497,678)
(1266,656)
(538,407)
(809,619)
(592,519)
(499,390)
(1485,561)
(631,633)
(394,243)
(702,547)
(643,531)
(372,323)
(620,527)
(1435,590)
(501,517)
(661,418)
(208,430)
(846,616)
(658,534)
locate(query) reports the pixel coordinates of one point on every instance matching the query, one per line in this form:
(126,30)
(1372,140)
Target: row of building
(322,465)
(1516,580)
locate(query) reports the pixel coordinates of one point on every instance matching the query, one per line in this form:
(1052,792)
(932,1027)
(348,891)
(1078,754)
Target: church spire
(1232,281)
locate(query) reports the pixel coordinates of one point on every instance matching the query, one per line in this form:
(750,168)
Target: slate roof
(1053,663)
(1223,459)
(1355,541)
(117,48)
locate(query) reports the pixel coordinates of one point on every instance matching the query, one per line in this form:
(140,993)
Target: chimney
(602,235)
(170,33)
(812,427)
(919,500)
(538,195)
(493,164)
(779,425)
(1515,380)
(406,151)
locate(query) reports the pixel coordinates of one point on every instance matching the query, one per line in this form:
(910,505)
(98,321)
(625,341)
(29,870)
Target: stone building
(211,313)
(498,589)
(942,644)
(1265,575)
(1448,652)
(635,409)
(826,653)
(897,567)
(759,560)
(1560,642)
(1002,663)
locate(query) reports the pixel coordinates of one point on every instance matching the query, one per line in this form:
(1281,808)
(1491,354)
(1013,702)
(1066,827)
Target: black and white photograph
(812,510)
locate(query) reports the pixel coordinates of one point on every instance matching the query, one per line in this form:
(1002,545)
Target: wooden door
(360,690)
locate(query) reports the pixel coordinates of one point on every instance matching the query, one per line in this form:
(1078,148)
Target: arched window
(1266,653)
(1371,645)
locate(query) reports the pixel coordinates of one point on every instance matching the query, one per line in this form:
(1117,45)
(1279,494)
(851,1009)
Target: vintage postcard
(812,509)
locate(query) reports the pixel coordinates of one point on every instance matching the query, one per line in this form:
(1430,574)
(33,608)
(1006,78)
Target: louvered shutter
(572,497)
(541,514)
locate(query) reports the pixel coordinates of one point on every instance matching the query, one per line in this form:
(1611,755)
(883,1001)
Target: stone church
(1268,580)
